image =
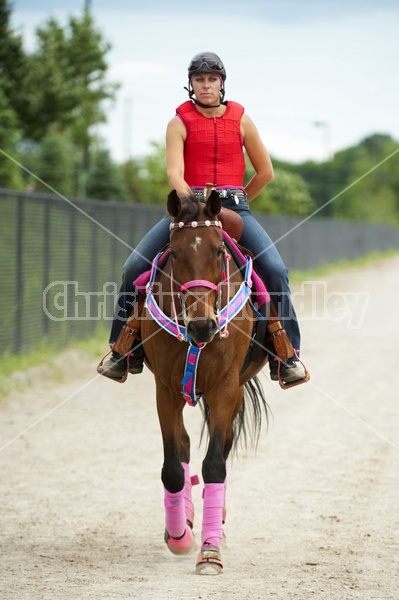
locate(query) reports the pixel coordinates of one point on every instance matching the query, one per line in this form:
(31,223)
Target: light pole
(127,127)
(326,153)
(326,180)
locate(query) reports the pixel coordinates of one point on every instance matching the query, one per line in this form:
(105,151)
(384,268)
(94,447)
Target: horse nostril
(202,331)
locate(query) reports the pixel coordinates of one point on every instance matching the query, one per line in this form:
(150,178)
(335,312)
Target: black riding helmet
(206,62)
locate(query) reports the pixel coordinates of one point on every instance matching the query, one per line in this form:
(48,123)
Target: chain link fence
(61,260)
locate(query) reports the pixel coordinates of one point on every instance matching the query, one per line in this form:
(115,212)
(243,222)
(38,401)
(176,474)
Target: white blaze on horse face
(197,243)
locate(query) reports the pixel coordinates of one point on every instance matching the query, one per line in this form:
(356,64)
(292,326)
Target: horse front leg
(179,512)
(209,560)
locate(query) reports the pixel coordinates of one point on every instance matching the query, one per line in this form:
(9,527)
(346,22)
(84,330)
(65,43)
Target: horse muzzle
(202,331)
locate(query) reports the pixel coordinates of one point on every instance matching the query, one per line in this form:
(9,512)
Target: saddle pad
(258,285)
(141,282)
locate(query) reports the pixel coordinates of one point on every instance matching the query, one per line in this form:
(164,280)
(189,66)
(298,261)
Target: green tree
(13,62)
(67,84)
(10,175)
(318,179)
(12,70)
(358,189)
(104,181)
(367,193)
(287,194)
(154,185)
(129,172)
(55,164)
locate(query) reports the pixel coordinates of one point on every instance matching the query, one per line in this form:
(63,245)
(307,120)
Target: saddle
(232,223)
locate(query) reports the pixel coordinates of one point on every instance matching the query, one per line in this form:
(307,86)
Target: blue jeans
(267,262)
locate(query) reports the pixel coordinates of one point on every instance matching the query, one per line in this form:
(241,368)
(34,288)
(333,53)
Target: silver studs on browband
(195,224)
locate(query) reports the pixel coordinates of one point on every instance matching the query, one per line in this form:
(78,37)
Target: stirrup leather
(130,331)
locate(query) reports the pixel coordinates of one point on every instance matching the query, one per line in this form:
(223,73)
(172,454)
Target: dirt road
(314,514)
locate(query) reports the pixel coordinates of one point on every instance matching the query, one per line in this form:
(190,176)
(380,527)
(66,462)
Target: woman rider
(204,143)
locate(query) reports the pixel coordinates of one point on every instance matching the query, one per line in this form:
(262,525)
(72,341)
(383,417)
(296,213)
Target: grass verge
(44,355)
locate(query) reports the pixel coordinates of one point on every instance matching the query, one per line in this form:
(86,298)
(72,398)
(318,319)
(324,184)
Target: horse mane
(190,209)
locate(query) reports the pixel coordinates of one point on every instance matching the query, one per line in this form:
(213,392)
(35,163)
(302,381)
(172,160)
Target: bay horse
(197,326)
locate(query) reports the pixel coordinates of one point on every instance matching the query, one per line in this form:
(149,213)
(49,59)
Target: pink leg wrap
(224,512)
(213,496)
(188,484)
(175,515)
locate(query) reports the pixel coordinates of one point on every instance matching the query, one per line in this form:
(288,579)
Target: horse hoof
(181,545)
(209,561)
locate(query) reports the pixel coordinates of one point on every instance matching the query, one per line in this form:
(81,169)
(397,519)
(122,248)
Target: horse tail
(248,422)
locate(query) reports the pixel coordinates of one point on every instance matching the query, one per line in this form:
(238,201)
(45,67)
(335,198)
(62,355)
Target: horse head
(197,254)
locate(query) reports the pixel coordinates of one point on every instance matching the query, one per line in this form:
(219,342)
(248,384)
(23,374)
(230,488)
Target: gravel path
(314,514)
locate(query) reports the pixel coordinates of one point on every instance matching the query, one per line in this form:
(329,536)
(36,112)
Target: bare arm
(175,136)
(258,156)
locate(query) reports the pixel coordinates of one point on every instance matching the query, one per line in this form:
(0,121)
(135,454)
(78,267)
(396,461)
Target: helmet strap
(191,96)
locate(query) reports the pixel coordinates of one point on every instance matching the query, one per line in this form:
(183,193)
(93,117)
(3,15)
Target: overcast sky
(291,64)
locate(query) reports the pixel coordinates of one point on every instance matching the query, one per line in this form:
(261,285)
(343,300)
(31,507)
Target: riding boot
(127,352)
(285,366)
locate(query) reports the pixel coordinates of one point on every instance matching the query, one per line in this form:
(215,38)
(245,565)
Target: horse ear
(173,204)
(213,204)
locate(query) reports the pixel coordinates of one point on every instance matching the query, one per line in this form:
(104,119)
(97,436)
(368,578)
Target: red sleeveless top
(213,149)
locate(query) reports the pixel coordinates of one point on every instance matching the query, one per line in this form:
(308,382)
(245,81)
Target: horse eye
(219,251)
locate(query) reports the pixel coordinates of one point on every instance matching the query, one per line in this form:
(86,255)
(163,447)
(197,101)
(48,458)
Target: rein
(228,312)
